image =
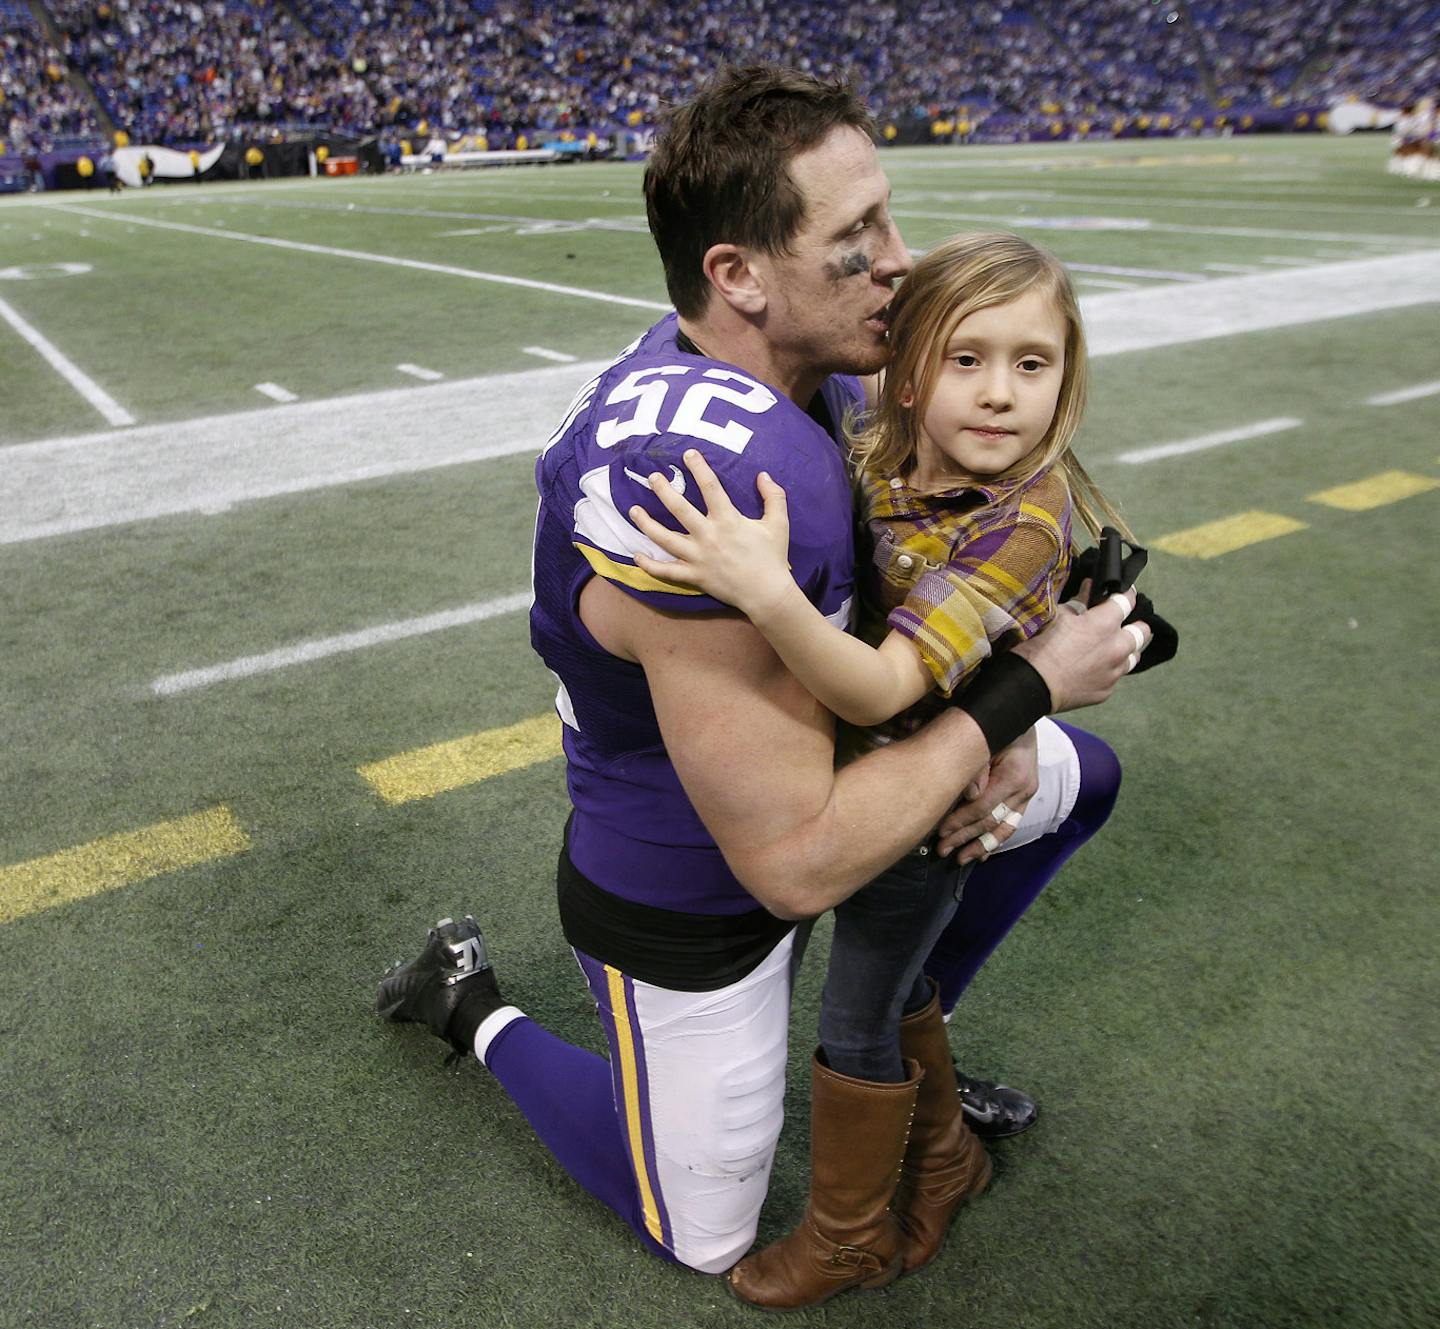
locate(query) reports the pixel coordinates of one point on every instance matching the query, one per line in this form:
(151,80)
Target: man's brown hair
(719,172)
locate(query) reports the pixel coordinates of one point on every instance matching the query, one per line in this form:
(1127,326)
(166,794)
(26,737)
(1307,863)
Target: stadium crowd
(186,72)
(38,104)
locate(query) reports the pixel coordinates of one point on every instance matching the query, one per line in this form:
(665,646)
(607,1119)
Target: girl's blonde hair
(965,274)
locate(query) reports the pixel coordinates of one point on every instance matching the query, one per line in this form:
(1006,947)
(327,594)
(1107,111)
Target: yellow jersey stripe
(629,575)
(630,1086)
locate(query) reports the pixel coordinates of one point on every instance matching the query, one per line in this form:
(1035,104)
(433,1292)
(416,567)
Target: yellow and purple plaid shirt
(961,573)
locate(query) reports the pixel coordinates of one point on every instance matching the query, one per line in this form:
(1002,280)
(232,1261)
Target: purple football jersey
(635,832)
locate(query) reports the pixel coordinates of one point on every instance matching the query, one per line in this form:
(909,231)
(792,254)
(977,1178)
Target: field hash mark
(119,860)
(1375,491)
(425,772)
(1228,534)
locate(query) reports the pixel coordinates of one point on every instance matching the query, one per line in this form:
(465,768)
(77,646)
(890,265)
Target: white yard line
(1281,261)
(420,372)
(77,378)
(318,648)
(1232,267)
(1404,394)
(275,392)
(1113,270)
(1206,441)
(96,480)
(1032,221)
(356,255)
(1156,274)
(1109,283)
(545,353)
(628,224)
(1063,197)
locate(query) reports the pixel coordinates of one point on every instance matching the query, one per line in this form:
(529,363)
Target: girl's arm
(742,561)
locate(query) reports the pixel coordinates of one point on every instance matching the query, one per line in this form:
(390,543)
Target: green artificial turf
(1225,1004)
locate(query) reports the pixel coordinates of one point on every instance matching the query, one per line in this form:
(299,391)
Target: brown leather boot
(945,1164)
(848,1237)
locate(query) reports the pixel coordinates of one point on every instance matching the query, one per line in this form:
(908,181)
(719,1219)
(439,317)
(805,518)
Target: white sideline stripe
(545,353)
(168,685)
(1232,267)
(1108,283)
(388,260)
(1175,315)
(1288,262)
(416,371)
(275,392)
(1403,394)
(1205,441)
(91,481)
(77,378)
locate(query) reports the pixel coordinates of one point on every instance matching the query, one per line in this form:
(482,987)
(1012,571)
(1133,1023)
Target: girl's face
(995,393)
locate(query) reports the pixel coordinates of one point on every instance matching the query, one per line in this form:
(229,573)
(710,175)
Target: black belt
(684,952)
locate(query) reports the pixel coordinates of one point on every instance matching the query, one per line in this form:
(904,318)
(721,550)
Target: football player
(709,818)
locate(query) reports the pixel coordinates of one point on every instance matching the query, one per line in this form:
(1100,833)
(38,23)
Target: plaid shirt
(962,573)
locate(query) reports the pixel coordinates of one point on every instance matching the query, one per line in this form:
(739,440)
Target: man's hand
(1083,653)
(1006,786)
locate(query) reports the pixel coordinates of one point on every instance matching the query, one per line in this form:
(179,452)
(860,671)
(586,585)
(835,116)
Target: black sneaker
(451,970)
(993,1111)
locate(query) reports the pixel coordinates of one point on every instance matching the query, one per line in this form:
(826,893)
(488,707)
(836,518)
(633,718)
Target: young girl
(967,485)
(968,489)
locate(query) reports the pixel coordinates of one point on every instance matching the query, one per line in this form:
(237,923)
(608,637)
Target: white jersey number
(651,398)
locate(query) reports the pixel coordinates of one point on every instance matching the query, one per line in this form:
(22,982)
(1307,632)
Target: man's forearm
(879,808)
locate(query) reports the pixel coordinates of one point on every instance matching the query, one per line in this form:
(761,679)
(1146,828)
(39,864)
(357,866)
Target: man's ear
(731,270)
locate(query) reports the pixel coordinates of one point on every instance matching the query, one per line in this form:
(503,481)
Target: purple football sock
(567,1096)
(999,890)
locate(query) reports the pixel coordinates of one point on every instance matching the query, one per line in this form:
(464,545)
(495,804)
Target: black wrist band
(1005,699)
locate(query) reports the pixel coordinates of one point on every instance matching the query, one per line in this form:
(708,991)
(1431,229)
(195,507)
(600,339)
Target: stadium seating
(38,106)
(185,72)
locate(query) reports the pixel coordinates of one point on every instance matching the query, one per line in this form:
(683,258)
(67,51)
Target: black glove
(1109,573)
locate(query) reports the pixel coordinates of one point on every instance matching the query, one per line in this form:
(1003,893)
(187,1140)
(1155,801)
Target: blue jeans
(912,921)
(882,935)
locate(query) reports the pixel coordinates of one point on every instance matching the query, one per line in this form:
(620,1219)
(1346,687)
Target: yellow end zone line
(118,860)
(428,771)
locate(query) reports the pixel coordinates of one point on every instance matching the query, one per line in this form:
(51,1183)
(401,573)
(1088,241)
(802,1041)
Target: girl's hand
(728,555)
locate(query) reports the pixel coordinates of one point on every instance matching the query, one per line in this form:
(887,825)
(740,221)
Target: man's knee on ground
(719,1253)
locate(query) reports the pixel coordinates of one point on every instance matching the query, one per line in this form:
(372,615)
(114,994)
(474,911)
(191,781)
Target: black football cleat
(993,1111)
(451,971)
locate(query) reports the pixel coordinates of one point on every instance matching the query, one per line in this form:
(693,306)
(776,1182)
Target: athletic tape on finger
(1136,636)
(1013,818)
(989,842)
(1121,599)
